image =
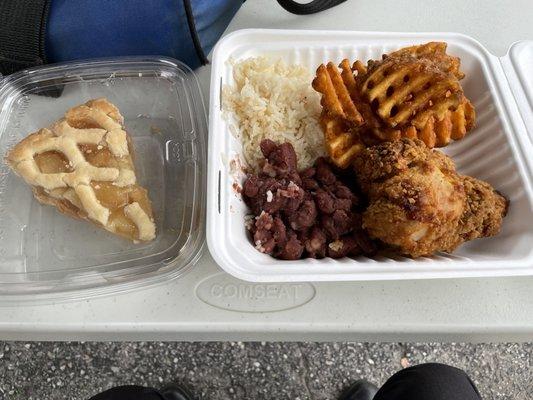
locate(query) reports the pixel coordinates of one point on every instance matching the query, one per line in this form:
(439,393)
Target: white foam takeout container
(499,150)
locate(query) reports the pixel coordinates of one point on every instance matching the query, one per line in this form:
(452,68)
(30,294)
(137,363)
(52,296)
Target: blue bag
(35,32)
(80,29)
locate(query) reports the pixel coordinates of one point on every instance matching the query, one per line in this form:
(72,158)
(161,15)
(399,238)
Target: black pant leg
(429,382)
(130,392)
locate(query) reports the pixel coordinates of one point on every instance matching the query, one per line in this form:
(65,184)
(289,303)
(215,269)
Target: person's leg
(132,392)
(428,382)
(129,392)
(359,390)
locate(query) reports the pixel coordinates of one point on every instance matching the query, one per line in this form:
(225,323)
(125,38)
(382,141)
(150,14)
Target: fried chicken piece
(484,211)
(419,204)
(416,197)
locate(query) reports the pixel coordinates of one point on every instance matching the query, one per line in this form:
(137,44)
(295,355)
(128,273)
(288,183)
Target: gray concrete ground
(229,370)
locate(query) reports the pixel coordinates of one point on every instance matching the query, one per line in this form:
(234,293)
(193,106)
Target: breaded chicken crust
(419,204)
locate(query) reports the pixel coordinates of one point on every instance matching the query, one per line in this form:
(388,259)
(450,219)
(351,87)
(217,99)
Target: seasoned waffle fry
(335,91)
(413,92)
(340,115)
(341,144)
(436,53)
(452,126)
(401,91)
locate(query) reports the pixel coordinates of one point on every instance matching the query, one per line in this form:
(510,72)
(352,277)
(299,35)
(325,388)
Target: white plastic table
(207,304)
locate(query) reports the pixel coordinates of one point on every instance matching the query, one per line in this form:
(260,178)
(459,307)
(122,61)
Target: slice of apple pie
(83,166)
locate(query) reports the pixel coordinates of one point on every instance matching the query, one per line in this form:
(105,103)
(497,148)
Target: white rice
(272,100)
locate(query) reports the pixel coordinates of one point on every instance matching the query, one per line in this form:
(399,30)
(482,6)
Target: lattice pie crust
(83,165)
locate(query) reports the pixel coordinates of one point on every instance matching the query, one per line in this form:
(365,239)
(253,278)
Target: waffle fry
(337,91)
(453,126)
(413,92)
(401,91)
(342,145)
(436,53)
(340,116)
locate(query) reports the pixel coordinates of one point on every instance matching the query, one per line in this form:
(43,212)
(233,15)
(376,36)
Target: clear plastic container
(47,254)
(498,151)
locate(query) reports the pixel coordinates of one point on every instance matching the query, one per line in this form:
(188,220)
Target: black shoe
(359,390)
(175,392)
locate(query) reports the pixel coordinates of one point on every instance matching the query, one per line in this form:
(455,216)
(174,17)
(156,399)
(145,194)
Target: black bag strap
(194,33)
(308,8)
(22,33)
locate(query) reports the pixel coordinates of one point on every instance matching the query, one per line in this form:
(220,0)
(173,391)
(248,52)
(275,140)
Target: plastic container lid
(45,254)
